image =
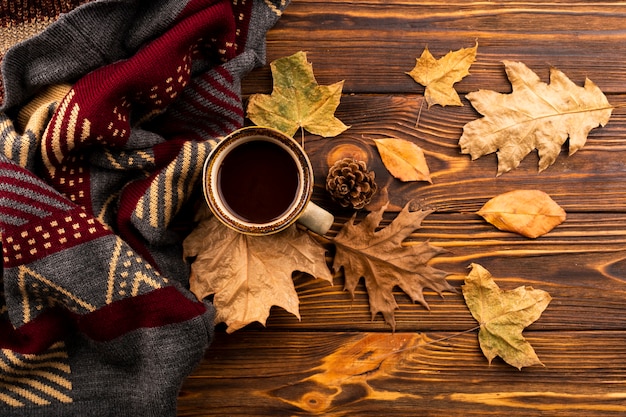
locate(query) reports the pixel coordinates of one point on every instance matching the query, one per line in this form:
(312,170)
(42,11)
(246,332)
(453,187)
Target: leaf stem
(419,113)
(432,342)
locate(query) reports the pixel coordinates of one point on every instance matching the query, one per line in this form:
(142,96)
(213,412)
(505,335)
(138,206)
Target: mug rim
(210,186)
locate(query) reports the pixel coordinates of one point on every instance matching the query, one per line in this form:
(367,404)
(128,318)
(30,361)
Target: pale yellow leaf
(535,115)
(440,75)
(249,274)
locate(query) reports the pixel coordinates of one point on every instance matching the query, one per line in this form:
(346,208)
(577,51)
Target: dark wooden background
(336,360)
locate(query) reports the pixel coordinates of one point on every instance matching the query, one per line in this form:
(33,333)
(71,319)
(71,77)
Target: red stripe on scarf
(161,307)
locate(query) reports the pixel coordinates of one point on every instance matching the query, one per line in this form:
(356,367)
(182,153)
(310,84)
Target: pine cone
(350,184)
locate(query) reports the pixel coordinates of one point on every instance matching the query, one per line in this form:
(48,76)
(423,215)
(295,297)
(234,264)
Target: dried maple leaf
(440,75)
(297,100)
(530,213)
(535,115)
(381,258)
(250,274)
(403,159)
(502,316)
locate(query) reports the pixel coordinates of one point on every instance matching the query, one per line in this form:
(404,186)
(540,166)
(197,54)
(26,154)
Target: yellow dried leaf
(249,274)
(404,160)
(502,316)
(535,115)
(440,75)
(530,213)
(297,100)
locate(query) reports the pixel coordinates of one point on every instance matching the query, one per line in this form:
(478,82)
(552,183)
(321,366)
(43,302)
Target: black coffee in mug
(258,181)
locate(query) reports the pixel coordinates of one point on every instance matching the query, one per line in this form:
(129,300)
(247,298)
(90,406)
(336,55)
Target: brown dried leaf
(250,274)
(440,75)
(530,213)
(403,159)
(502,316)
(534,116)
(381,258)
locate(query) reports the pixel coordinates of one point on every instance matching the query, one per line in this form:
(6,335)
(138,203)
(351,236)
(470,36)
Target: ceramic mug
(259,181)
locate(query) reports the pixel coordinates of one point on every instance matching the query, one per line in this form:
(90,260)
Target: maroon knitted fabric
(108,114)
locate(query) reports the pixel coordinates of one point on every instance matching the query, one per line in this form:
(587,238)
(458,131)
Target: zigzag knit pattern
(99,157)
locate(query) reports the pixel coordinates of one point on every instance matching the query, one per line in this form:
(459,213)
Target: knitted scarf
(109,109)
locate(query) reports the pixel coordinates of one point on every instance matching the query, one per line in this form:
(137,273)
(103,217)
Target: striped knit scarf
(109,109)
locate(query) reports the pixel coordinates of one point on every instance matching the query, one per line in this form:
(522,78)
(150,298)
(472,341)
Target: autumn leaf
(381,258)
(530,213)
(250,274)
(502,316)
(403,159)
(297,100)
(440,75)
(535,115)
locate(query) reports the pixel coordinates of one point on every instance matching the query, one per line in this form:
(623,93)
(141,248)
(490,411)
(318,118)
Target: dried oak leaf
(381,258)
(250,274)
(502,316)
(535,115)
(440,75)
(297,100)
(403,159)
(530,213)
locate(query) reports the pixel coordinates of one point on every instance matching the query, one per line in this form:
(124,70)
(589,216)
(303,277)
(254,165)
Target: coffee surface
(258,181)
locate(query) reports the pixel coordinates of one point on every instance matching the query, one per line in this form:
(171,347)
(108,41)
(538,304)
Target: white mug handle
(316,219)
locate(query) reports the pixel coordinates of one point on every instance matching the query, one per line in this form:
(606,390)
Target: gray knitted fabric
(107,117)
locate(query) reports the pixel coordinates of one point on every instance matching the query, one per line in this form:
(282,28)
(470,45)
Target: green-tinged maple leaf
(502,316)
(249,274)
(440,75)
(297,100)
(385,261)
(535,115)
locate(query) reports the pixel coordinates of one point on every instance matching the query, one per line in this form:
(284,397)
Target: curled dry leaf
(381,258)
(502,316)
(403,159)
(440,75)
(250,274)
(297,100)
(530,213)
(534,116)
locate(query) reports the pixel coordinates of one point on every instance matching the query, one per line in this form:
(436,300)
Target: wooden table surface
(336,360)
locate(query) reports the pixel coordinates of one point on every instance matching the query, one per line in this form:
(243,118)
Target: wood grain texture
(338,360)
(372,44)
(591,180)
(403,374)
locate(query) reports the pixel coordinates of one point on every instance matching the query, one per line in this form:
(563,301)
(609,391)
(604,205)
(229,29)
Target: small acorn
(350,184)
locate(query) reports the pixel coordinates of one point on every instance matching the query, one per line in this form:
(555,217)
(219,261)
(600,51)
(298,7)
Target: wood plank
(439,373)
(591,180)
(337,360)
(371,45)
(581,264)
